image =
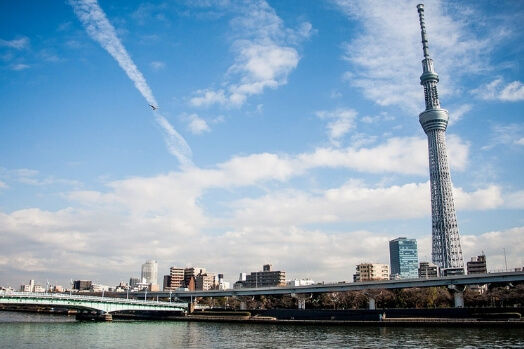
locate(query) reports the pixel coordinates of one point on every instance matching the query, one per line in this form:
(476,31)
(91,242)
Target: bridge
(100,305)
(456,283)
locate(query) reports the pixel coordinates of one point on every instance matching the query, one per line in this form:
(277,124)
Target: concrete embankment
(415,322)
(394,314)
(462,317)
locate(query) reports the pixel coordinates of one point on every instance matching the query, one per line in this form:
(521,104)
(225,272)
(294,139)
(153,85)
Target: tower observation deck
(446,249)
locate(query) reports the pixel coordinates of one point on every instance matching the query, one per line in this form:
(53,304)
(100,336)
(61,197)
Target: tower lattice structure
(446,249)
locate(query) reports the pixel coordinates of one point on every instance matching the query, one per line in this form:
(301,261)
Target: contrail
(99,29)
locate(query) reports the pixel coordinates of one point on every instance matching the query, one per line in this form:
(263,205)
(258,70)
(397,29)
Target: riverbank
(439,317)
(400,322)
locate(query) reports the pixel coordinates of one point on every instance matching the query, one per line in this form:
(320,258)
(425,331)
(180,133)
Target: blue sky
(287,134)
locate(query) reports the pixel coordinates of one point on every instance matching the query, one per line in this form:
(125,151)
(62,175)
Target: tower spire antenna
(425,47)
(446,248)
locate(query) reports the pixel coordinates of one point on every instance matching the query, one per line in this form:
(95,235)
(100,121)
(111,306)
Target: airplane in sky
(154,107)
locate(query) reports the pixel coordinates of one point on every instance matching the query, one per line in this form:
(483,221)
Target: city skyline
(287,133)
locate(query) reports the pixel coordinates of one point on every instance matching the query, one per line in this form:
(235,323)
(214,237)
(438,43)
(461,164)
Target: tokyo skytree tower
(446,251)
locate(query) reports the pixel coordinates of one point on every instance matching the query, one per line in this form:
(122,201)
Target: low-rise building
(371,272)
(175,279)
(31,287)
(222,285)
(264,278)
(133,283)
(205,282)
(477,265)
(302,282)
(82,285)
(428,270)
(99,288)
(190,275)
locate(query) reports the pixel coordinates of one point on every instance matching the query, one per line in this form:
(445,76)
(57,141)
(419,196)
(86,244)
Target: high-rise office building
(446,249)
(403,258)
(149,273)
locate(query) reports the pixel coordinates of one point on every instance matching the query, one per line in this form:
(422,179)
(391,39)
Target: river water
(29,330)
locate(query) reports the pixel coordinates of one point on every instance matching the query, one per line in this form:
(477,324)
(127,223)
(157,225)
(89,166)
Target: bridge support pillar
(243,301)
(301,303)
(190,307)
(458,295)
(372,303)
(301,300)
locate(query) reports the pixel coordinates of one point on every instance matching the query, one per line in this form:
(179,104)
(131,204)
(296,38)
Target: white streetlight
(505,261)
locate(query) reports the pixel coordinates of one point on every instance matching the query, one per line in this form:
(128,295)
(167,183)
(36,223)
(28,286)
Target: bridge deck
(102,304)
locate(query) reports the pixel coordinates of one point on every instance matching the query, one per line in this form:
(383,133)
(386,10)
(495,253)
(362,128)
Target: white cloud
(18,173)
(18,44)
(390,156)
(498,90)
(260,66)
(458,113)
(156,65)
(198,125)
(374,119)
(396,155)
(208,97)
(483,199)
(20,66)
(510,134)
(353,202)
(147,12)
(515,200)
(341,122)
(265,55)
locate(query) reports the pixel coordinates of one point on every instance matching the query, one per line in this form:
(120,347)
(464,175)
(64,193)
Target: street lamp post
(505,261)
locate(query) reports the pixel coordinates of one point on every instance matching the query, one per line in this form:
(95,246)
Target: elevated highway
(455,283)
(448,281)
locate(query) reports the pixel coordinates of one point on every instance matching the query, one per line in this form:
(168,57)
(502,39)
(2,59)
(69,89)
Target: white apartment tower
(149,273)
